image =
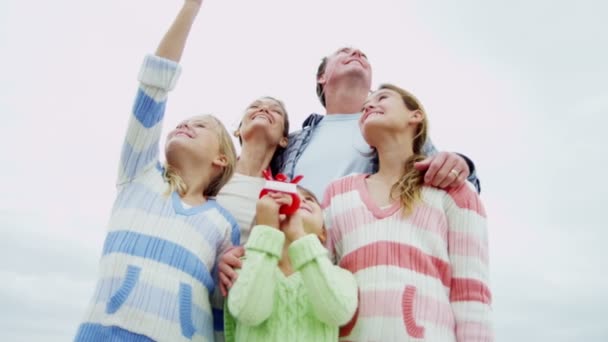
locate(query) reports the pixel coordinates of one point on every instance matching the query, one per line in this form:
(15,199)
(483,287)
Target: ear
(221,161)
(236,133)
(417,116)
(283,142)
(321,79)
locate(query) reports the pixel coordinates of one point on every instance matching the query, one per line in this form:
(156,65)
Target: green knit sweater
(309,305)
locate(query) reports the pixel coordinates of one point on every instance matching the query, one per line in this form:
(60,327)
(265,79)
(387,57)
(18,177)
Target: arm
(470,295)
(157,77)
(251,298)
(232,237)
(333,290)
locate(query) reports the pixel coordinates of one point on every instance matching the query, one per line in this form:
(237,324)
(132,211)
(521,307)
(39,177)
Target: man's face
(347,62)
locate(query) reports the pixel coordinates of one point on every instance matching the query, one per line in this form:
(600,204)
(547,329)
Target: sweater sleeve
(140,149)
(333,290)
(251,298)
(470,295)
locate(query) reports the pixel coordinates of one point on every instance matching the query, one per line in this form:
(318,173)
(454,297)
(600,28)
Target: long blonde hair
(409,186)
(226,147)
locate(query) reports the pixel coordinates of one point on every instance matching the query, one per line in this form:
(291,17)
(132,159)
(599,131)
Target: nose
(368,107)
(357,52)
(183,125)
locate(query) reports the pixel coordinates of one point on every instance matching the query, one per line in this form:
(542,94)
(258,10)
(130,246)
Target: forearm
(173,43)
(251,299)
(333,290)
(140,148)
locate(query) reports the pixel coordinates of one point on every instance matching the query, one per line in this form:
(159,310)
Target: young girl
(288,289)
(166,231)
(419,254)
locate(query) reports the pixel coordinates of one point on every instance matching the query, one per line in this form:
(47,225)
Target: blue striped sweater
(158,258)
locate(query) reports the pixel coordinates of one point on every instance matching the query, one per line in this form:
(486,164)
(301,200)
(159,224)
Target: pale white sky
(519,86)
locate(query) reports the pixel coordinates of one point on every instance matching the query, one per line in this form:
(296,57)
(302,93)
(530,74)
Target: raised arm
(157,77)
(470,295)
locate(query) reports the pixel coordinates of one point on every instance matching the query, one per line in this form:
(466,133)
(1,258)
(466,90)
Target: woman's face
(264,116)
(383,112)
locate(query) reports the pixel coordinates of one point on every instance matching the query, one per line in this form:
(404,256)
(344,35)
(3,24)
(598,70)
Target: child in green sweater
(288,289)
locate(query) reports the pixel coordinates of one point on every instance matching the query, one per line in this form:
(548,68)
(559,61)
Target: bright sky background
(519,86)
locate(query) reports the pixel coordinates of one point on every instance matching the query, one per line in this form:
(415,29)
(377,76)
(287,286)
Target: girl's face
(267,116)
(311,213)
(198,135)
(384,111)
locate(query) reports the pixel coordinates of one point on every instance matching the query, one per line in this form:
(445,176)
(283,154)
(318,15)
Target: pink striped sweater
(421,278)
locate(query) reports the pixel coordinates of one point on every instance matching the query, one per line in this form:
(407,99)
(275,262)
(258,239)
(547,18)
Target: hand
(228,262)
(267,209)
(194,2)
(439,170)
(293,227)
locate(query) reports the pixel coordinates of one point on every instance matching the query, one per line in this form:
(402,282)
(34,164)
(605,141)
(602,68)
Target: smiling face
(268,117)
(311,213)
(344,62)
(199,135)
(391,109)
(202,141)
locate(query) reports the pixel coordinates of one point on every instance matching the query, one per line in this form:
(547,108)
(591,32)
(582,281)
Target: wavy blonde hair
(226,148)
(409,186)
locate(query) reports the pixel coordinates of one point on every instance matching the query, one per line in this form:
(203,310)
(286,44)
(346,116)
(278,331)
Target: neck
(392,155)
(285,263)
(196,179)
(255,157)
(345,98)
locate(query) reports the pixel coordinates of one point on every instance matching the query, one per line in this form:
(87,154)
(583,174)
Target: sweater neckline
(367,199)
(178,207)
(290,280)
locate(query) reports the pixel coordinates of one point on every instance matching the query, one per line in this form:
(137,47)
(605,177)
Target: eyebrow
(378,93)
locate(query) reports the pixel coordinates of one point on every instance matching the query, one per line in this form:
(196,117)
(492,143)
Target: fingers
(423,164)
(434,167)
(224,283)
(445,177)
(228,262)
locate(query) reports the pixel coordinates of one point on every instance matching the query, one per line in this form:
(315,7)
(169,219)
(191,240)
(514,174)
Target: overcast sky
(519,86)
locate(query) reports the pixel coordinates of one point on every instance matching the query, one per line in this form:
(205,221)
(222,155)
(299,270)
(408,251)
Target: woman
(419,254)
(263,135)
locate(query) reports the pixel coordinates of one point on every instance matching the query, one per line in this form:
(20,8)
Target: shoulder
(464,197)
(341,186)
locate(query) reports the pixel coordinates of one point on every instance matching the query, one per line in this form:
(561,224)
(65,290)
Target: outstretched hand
(444,170)
(196,2)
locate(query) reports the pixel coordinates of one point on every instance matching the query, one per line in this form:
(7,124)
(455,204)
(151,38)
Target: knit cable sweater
(155,270)
(309,305)
(423,277)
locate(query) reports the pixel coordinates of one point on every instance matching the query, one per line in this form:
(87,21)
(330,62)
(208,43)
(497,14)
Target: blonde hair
(409,186)
(226,148)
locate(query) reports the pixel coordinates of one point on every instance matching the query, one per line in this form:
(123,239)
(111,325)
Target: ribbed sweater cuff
(159,72)
(266,239)
(304,250)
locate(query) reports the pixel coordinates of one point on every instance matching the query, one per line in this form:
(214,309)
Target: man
(331,146)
